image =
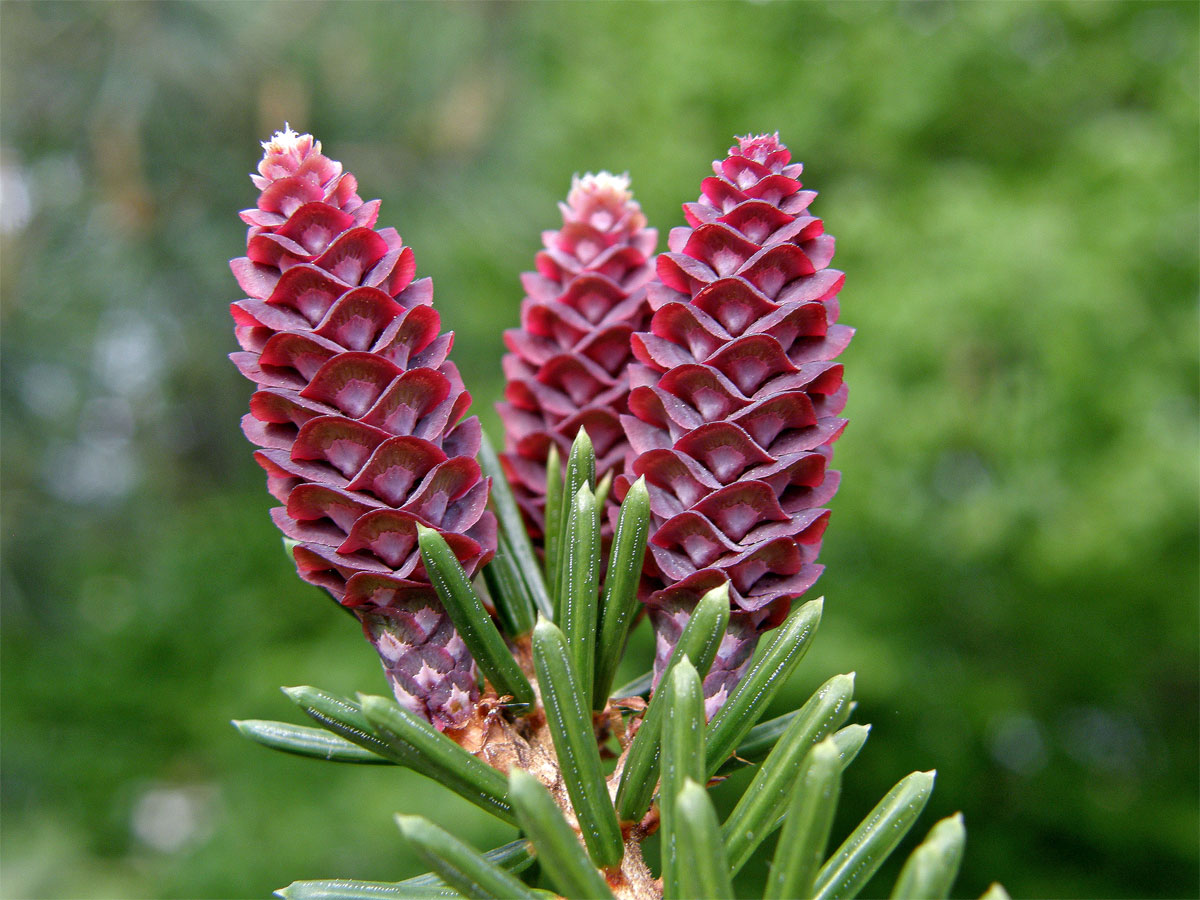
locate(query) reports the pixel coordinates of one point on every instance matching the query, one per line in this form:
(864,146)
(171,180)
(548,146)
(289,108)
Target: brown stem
(504,741)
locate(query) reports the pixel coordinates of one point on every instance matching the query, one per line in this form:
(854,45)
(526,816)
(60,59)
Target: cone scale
(734,404)
(358,417)
(568,363)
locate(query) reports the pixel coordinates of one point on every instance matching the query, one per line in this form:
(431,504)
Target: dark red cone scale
(568,362)
(735,401)
(358,415)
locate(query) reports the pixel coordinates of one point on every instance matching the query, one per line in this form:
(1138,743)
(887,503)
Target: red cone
(358,416)
(569,360)
(735,403)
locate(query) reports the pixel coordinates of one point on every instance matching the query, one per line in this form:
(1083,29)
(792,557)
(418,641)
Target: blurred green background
(1012,562)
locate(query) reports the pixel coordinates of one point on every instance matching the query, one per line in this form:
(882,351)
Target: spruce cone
(734,406)
(568,368)
(357,413)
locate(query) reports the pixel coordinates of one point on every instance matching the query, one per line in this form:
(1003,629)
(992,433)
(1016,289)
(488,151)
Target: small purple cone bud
(569,360)
(734,406)
(358,414)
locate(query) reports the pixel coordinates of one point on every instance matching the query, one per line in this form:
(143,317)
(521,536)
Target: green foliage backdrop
(1012,561)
